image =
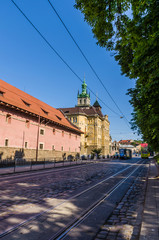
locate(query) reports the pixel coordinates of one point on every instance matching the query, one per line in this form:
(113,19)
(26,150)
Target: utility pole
(37,144)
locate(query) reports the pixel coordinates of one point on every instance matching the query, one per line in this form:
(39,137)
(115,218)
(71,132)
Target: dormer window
(45,111)
(1,93)
(59,117)
(26,103)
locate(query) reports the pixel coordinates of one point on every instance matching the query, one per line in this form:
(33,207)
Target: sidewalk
(136,216)
(150,220)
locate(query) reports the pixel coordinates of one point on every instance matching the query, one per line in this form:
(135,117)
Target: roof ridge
(25,96)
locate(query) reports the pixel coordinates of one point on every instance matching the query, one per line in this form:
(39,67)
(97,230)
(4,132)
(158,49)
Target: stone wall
(11,153)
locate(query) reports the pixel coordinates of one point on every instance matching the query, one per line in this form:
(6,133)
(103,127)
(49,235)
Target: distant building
(115,148)
(91,121)
(32,129)
(126,142)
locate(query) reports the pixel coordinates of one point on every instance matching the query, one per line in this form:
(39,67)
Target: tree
(96,151)
(130,29)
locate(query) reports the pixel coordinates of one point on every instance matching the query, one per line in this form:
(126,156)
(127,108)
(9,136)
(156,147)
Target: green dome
(84,93)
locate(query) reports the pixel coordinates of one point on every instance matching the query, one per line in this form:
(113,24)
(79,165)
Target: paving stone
(102,236)
(103,232)
(127,216)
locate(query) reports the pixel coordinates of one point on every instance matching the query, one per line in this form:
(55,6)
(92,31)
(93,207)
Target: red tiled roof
(125,141)
(15,97)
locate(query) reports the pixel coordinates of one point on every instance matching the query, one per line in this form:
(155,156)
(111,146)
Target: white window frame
(43,131)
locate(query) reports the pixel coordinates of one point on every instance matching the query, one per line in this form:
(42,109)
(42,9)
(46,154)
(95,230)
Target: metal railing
(29,164)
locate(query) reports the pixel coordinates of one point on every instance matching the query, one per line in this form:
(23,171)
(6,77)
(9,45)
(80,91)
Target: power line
(49,44)
(87,60)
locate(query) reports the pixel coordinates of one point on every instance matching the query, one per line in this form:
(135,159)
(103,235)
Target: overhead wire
(50,45)
(77,45)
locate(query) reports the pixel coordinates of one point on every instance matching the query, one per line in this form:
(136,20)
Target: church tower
(84,97)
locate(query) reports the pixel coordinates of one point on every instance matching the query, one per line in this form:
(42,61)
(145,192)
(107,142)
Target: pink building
(31,127)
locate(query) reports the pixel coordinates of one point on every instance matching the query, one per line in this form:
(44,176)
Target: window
(69,149)
(26,145)
(80,101)
(74,119)
(69,135)
(26,103)
(6,142)
(27,123)
(84,101)
(41,146)
(53,147)
(8,118)
(76,137)
(58,117)
(62,148)
(53,131)
(41,131)
(62,133)
(45,111)
(1,93)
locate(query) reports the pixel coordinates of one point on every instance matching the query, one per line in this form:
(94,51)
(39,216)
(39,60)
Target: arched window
(27,123)
(8,118)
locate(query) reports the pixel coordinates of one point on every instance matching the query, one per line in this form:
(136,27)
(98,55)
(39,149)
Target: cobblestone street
(125,221)
(37,193)
(130,214)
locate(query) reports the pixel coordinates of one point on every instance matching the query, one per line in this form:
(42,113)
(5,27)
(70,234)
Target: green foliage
(96,151)
(130,29)
(157,159)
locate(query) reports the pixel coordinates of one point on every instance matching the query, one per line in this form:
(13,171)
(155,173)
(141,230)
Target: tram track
(98,185)
(72,225)
(53,177)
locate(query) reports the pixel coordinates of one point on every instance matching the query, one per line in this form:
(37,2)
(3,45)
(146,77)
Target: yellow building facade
(91,121)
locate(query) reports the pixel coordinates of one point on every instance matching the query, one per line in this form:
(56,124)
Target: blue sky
(29,64)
